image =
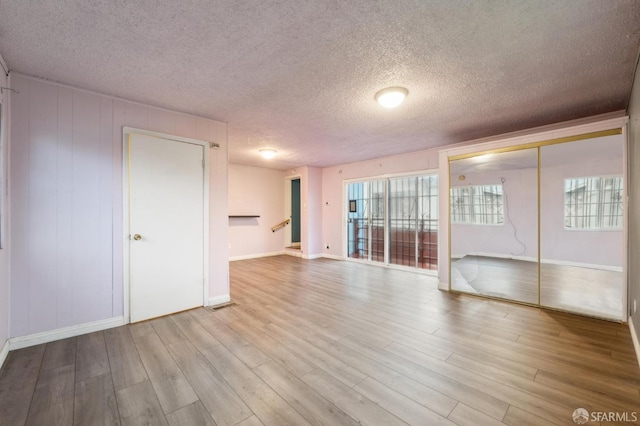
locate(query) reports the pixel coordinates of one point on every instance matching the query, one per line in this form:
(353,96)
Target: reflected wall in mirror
(581,235)
(494,225)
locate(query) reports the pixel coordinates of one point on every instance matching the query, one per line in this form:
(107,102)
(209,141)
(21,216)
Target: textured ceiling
(299,76)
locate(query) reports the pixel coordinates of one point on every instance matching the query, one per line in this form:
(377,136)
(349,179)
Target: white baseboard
(294,253)
(634,337)
(219,300)
(4,352)
(256,256)
(332,256)
(311,256)
(63,333)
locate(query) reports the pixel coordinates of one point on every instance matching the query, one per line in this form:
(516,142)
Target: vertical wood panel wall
(66,202)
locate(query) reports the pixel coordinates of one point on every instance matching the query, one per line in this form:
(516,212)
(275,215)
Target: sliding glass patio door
(365,220)
(394,221)
(413,221)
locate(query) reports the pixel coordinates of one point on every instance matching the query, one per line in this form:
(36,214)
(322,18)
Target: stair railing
(281,225)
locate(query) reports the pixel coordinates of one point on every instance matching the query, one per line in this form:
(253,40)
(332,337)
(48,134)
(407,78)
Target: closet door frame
(554,135)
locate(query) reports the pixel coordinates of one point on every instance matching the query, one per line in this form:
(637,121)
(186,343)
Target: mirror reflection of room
(581,239)
(494,225)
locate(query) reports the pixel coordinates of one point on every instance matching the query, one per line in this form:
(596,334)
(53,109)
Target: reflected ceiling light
(482,158)
(391,97)
(268,153)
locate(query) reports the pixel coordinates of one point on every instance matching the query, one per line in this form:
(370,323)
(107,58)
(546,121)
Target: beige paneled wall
(66,202)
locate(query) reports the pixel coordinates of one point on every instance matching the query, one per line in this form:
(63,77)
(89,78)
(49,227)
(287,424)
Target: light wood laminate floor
(326,342)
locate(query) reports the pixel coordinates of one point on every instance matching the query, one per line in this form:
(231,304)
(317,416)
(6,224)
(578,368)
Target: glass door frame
(369,221)
(345,219)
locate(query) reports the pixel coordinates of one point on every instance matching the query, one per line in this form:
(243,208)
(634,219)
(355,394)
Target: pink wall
(66,202)
(333,182)
(255,191)
(4,250)
(311,198)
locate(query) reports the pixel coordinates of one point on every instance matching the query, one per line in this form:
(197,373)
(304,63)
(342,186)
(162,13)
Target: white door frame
(126,131)
(287,209)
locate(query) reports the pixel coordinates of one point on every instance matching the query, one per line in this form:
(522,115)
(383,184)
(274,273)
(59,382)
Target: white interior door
(166,226)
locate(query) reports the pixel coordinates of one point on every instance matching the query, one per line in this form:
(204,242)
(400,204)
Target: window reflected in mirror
(581,238)
(495,212)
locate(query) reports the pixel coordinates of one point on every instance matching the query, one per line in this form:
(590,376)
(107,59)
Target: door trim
(287,208)
(126,132)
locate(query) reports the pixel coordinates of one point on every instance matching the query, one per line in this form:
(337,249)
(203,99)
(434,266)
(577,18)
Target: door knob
(137,237)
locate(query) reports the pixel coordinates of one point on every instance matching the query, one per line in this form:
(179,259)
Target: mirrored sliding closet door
(542,224)
(581,226)
(494,225)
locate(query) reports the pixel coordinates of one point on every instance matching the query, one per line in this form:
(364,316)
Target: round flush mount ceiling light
(268,153)
(391,97)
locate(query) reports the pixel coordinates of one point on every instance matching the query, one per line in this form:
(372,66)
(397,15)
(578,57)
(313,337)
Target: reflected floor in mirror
(588,291)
